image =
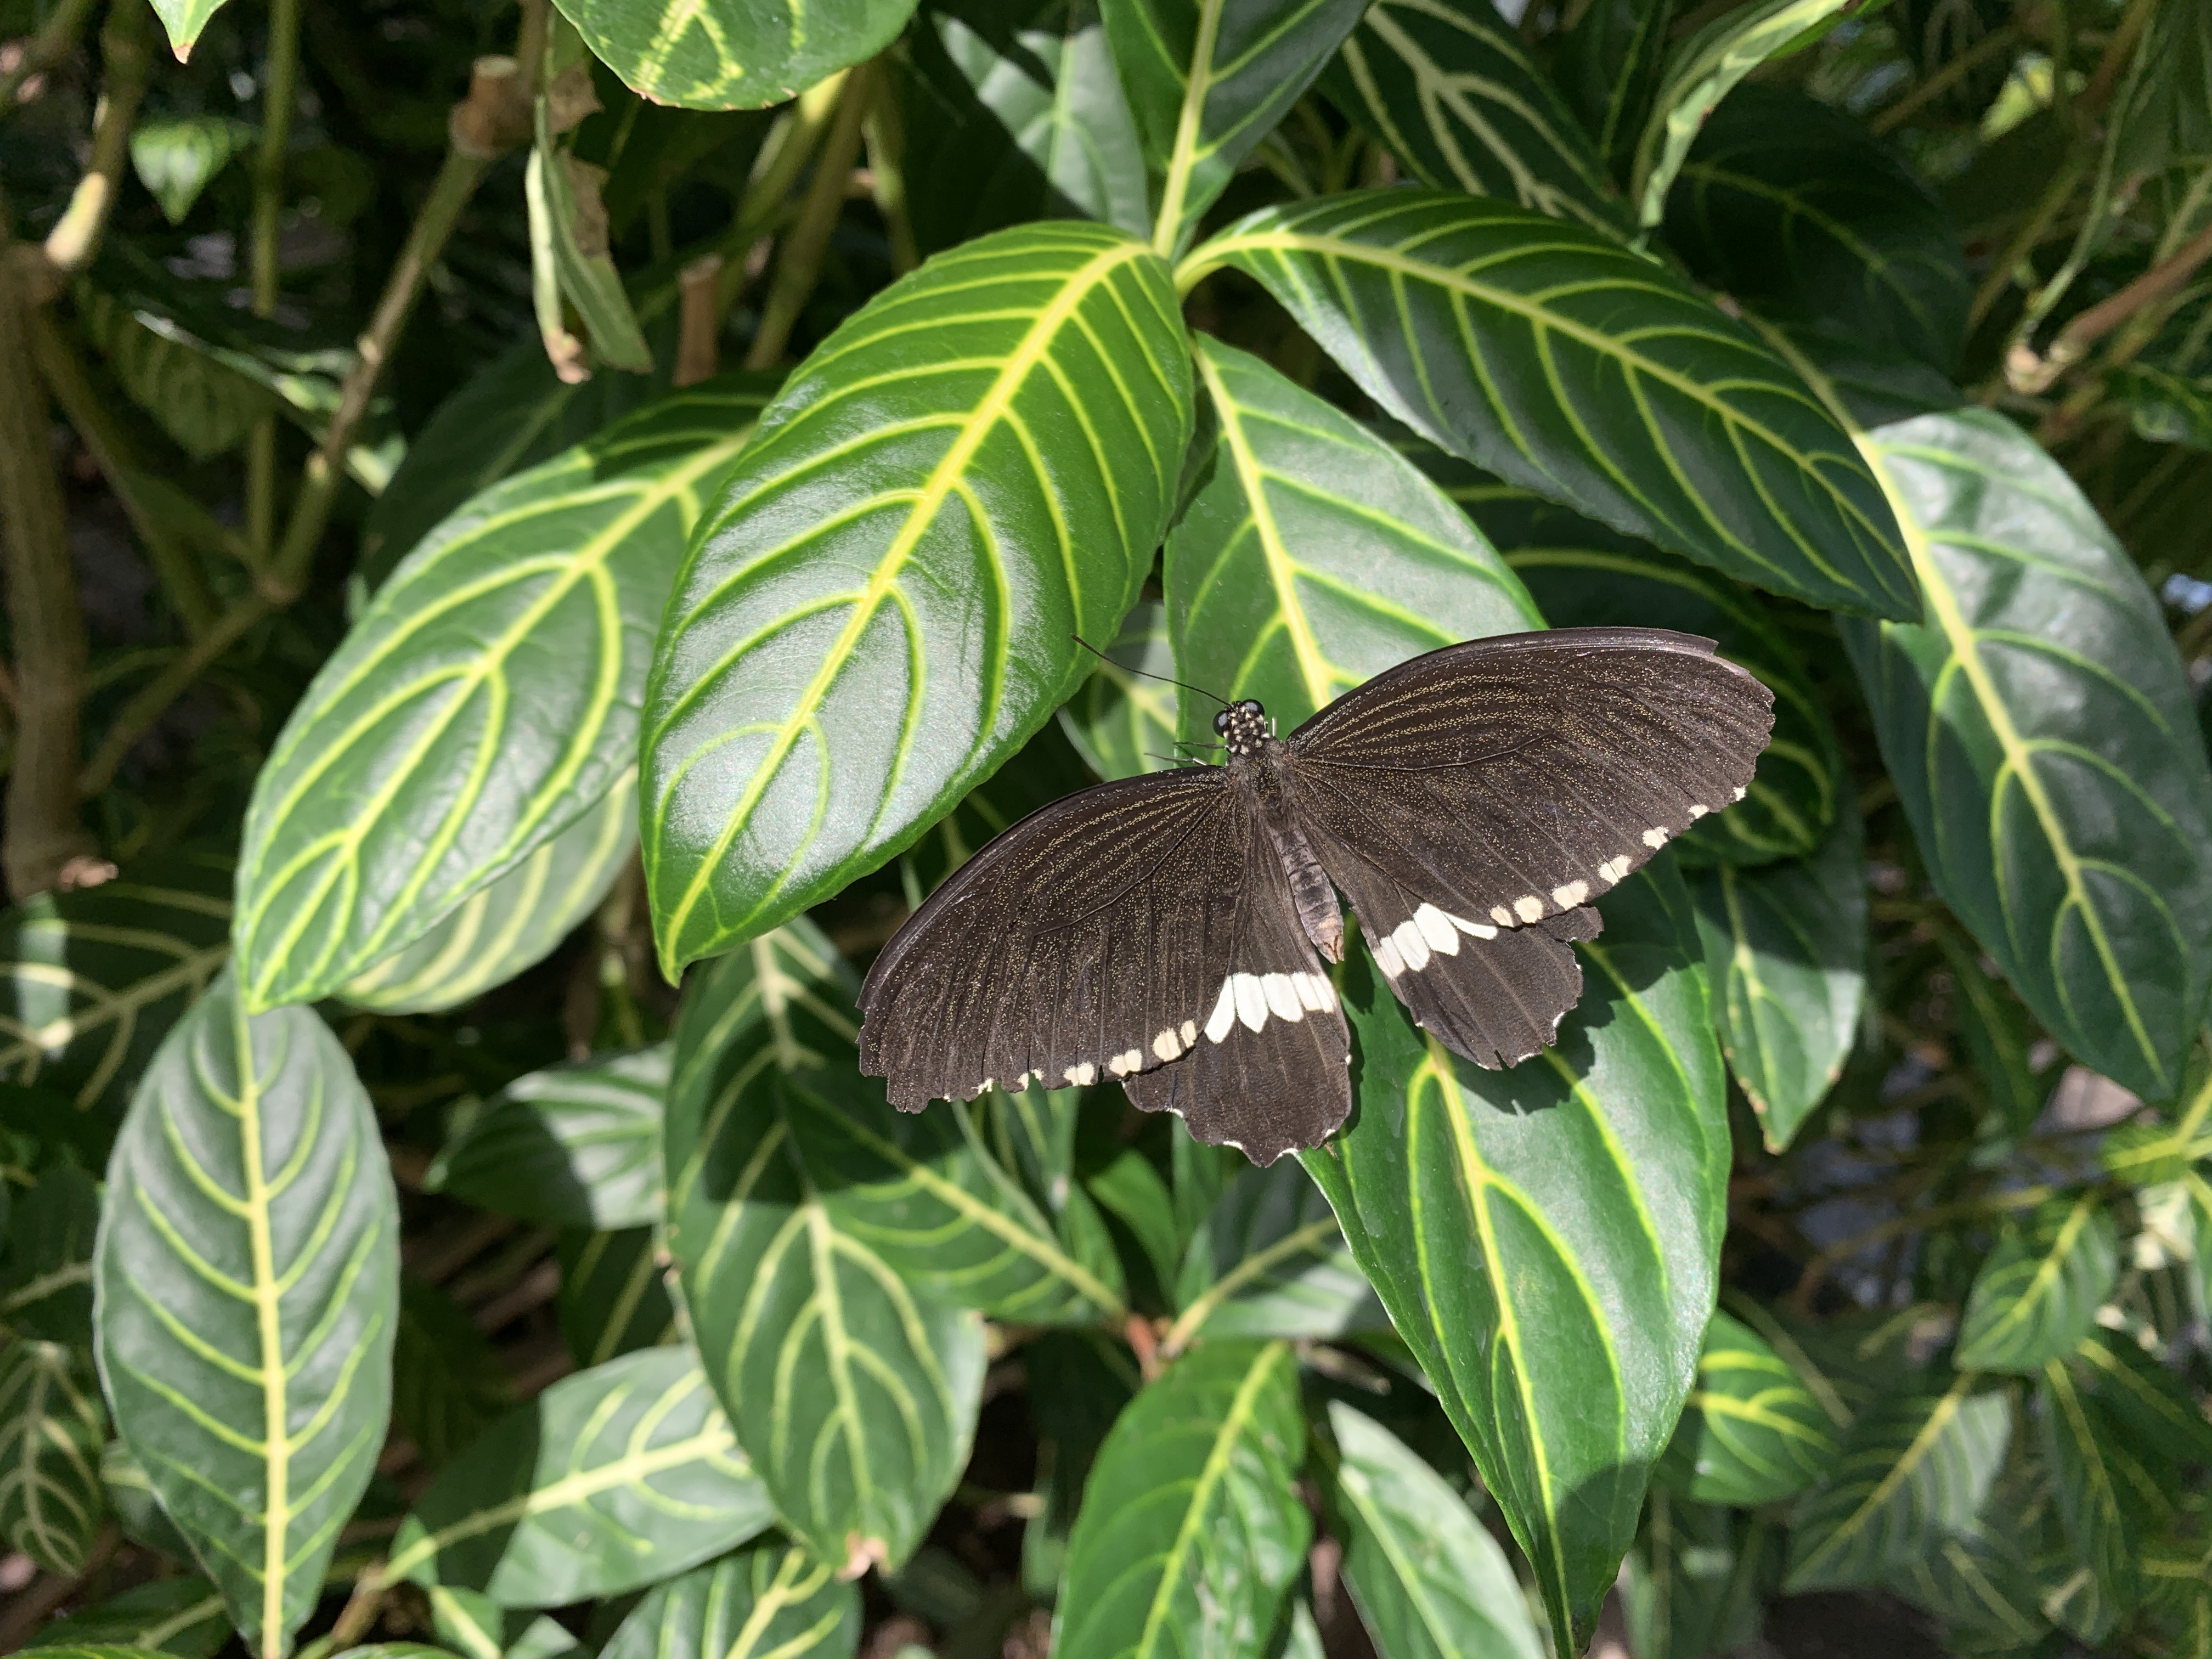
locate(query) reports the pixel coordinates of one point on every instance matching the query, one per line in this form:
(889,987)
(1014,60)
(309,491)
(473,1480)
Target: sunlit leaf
(1752,1432)
(51,1425)
(575,1146)
(732,54)
(1271,1261)
(184,20)
(2038,1293)
(771,1601)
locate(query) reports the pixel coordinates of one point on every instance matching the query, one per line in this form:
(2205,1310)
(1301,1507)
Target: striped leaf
(732,54)
(1449,87)
(183,1617)
(1794,208)
(1547,1238)
(1554,357)
(615,1294)
(1191,1529)
(184,20)
(1982,1586)
(1752,1432)
(1315,557)
(613,1478)
(2037,1294)
(96,978)
(2153,1408)
(408,778)
(2039,730)
(771,1601)
(1916,1468)
(574,1145)
(447,1384)
(1207,80)
(45,1277)
(1429,1582)
(1786,945)
(51,1425)
(247,1276)
(2103,1504)
(1271,1262)
(1607,62)
(512,925)
(976,465)
(1120,722)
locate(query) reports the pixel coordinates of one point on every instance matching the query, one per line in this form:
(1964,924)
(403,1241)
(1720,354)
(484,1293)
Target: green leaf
(138,1513)
(568,222)
(51,1501)
(181,1616)
(512,924)
(732,54)
(1752,1432)
(771,1601)
(401,785)
(573,1145)
(2000,1040)
(97,976)
(614,1294)
(184,20)
(2037,1294)
(45,1281)
(247,1275)
(1449,87)
(448,1385)
(1547,1238)
(2154,1409)
(613,1478)
(1676,1583)
(1979,1582)
(1207,80)
(1315,555)
(1191,1529)
(176,158)
(1007,425)
(1916,1468)
(2104,1516)
(1607,64)
(1583,372)
(1794,209)
(1128,1188)
(1786,945)
(1271,1262)
(1429,1582)
(1700,72)
(1120,722)
(2039,730)
(2164,408)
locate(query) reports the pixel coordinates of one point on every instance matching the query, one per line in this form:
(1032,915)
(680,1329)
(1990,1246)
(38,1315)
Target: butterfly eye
(1250,706)
(1221,722)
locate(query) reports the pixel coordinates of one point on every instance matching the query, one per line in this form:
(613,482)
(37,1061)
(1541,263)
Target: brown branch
(699,324)
(799,263)
(126,54)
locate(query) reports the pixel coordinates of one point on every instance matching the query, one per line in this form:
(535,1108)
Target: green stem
(2061,191)
(2001,39)
(152,701)
(126,56)
(279,95)
(790,145)
(798,263)
(886,142)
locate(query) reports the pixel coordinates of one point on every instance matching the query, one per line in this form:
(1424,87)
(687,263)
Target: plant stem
(2064,183)
(886,143)
(799,263)
(126,54)
(783,155)
(2001,39)
(152,701)
(47,48)
(278,97)
(698,346)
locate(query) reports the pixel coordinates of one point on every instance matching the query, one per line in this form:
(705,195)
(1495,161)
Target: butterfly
(1168,932)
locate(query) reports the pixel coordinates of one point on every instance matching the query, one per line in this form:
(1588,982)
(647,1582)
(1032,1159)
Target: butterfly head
(1244,726)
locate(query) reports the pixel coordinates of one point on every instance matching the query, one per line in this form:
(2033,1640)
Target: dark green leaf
(1005,425)
(45,1282)
(1558,359)
(614,1296)
(1752,1432)
(771,1601)
(575,1146)
(183,1617)
(1609,64)
(1122,723)
(1676,1583)
(1128,1188)
(2153,1408)
(2037,1294)
(138,1513)
(51,1501)
(1980,1584)
(732,54)
(2000,1039)
(1271,1261)
(2104,1514)
(448,1385)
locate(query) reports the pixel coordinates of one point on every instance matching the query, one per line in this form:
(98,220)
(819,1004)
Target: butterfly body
(1170,932)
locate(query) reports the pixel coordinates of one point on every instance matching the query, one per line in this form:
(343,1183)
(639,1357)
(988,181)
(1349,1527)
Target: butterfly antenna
(1168,678)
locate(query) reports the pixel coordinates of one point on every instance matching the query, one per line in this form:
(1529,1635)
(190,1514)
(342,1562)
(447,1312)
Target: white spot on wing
(1166,1046)
(1251,1001)
(1436,928)
(1528,906)
(1411,946)
(1387,957)
(1614,869)
(1224,1011)
(1189,1032)
(1571,895)
(1282,996)
(1740,791)
(1698,812)
(1478,929)
(1656,839)
(1501,915)
(1082,1076)
(1313,990)
(1119,1066)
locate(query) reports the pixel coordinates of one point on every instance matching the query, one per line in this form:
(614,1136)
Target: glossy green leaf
(977,464)
(96,978)
(512,924)
(1752,1432)
(183,1617)
(1429,1582)
(568,233)
(2103,1515)
(1580,370)
(1786,945)
(574,1145)
(732,54)
(176,158)
(614,1294)
(1208,79)
(1607,62)
(1191,1527)
(402,783)
(2037,1294)
(1700,72)
(1794,209)
(771,1601)
(2039,730)
(1547,1238)
(1122,723)
(46,1278)
(1449,87)
(247,1275)
(613,1478)
(184,20)
(51,1425)
(1915,1466)
(447,1384)
(1315,555)
(1045,767)
(1271,1262)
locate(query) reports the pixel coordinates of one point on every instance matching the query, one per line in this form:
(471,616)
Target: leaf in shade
(1792,207)
(613,1478)
(2152,1407)
(2000,1038)
(1608,65)
(1315,557)
(1271,1262)
(1980,1583)
(183,1617)
(2164,408)
(1547,1238)
(247,1277)
(732,54)
(1752,1432)
(138,1513)
(771,1601)
(176,157)
(1675,1584)
(1208,79)
(46,1278)
(573,1145)
(977,464)
(51,1426)
(1429,1582)
(1578,369)
(1191,1527)
(407,779)
(614,1294)
(448,1385)
(1917,1467)
(1449,88)
(2037,1294)
(1120,722)
(1786,945)
(2102,1502)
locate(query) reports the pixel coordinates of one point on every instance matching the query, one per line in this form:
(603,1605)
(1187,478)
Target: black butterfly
(1168,930)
